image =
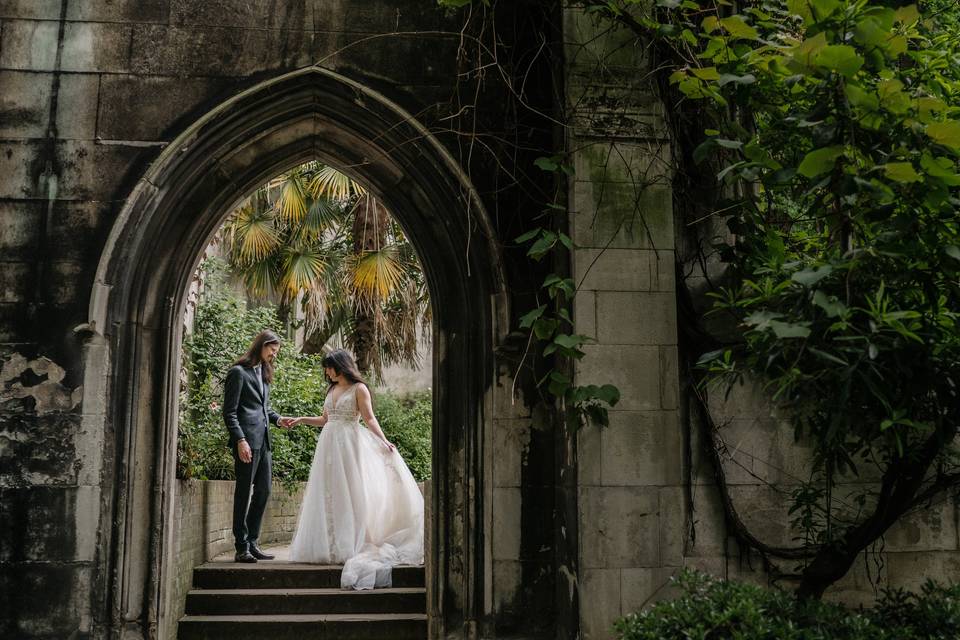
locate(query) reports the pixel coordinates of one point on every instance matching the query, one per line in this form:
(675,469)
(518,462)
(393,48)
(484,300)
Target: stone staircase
(280,601)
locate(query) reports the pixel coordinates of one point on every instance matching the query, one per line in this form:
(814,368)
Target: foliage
(549,325)
(713,609)
(317,238)
(407,423)
(223,327)
(836,129)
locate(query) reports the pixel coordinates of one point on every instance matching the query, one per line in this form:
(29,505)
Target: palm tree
(314,238)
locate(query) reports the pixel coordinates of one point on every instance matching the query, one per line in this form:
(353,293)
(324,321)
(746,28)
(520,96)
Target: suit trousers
(250,495)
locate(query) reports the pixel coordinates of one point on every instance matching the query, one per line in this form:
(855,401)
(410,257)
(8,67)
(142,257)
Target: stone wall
(203,528)
(92,94)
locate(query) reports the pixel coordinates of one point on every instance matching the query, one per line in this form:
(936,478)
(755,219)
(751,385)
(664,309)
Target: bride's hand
(389,445)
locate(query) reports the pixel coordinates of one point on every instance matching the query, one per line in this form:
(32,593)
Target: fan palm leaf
(303,269)
(291,204)
(260,277)
(330,183)
(376,274)
(321,215)
(254,234)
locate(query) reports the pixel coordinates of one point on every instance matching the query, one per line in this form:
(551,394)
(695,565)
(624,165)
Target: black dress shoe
(257,553)
(244,556)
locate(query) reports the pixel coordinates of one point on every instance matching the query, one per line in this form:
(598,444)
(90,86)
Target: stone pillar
(621,221)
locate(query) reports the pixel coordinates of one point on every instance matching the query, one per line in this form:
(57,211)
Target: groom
(247,414)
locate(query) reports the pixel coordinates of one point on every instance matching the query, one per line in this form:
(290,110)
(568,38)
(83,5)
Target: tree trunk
(899,490)
(369,234)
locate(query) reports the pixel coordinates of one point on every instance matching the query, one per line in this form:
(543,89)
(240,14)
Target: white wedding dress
(361,507)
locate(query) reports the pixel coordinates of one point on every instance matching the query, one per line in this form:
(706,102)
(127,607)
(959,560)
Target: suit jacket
(246,411)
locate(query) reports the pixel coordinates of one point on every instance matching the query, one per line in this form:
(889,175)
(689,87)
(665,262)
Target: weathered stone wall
(763,465)
(203,528)
(90,94)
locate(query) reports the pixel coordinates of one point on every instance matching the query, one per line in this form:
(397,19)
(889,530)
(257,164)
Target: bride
(361,506)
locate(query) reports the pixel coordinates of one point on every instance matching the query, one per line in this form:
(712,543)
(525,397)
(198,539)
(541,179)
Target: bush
(406,421)
(223,329)
(713,609)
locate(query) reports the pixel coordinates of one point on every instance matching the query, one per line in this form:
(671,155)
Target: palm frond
(323,213)
(330,183)
(292,203)
(259,278)
(254,234)
(376,274)
(302,270)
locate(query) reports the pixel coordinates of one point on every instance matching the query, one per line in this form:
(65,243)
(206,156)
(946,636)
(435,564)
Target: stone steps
(305,627)
(304,601)
(282,600)
(286,575)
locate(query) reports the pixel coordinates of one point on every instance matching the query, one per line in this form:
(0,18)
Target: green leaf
(800,8)
(727,78)
(738,28)
(706,73)
(830,304)
(529,235)
(760,320)
(908,14)
(527,319)
(543,328)
(547,164)
(860,98)
(728,144)
(901,172)
(945,133)
(940,167)
(953,251)
(828,356)
(789,329)
(841,58)
(809,277)
(819,161)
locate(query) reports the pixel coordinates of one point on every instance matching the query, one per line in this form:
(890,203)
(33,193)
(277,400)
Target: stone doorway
(133,340)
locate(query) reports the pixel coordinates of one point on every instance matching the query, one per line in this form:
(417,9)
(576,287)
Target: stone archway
(136,309)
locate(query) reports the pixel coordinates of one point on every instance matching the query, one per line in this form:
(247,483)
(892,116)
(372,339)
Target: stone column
(621,222)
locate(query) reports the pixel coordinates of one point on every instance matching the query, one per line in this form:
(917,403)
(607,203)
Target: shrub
(713,609)
(406,421)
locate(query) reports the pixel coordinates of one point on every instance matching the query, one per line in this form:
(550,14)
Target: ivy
(550,326)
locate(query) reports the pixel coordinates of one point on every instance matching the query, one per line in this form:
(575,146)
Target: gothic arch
(133,346)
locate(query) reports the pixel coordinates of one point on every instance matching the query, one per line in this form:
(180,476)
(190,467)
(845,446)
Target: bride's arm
(365,405)
(316,421)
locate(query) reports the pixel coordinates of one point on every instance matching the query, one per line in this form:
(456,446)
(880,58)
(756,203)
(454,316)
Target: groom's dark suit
(247,414)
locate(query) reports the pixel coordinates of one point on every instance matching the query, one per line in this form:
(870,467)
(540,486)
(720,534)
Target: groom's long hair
(342,362)
(253,355)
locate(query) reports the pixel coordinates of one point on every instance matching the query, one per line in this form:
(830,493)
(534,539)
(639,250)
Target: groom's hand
(244,452)
(286,423)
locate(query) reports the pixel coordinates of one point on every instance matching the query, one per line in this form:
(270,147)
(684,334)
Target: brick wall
(203,527)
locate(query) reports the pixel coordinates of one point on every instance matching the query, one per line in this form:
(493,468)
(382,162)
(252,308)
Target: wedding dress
(361,506)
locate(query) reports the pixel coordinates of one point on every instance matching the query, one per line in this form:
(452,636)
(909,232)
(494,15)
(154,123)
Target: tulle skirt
(361,508)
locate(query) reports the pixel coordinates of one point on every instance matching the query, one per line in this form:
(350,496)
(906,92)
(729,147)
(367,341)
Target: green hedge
(713,609)
(222,331)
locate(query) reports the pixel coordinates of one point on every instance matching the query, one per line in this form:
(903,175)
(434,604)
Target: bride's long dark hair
(342,362)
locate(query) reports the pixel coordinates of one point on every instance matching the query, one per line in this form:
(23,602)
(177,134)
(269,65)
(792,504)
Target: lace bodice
(345,406)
